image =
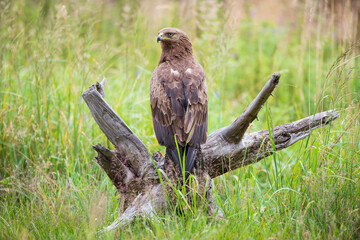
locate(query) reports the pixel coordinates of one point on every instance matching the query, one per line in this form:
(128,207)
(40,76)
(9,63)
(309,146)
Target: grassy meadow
(51,51)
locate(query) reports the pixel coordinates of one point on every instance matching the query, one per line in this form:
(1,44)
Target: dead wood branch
(222,156)
(127,144)
(235,131)
(134,172)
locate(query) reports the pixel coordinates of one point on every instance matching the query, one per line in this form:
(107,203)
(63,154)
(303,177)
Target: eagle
(179,99)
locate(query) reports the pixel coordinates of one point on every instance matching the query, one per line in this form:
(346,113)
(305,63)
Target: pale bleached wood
(144,205)
(126,142)
(221,156)
(235,131)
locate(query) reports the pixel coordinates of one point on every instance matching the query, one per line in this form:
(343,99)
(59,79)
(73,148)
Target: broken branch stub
(128,145)
(113,166)
(235,131)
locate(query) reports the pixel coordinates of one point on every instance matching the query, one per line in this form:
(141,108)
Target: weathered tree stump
(144,180)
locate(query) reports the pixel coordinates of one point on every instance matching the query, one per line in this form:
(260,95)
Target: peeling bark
(134,171)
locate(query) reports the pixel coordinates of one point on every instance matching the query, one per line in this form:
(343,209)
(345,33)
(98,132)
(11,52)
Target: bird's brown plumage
(178,95)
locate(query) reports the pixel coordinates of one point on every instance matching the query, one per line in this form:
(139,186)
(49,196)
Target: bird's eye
(170,34)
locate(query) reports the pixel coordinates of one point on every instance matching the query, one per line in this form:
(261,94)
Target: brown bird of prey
(179,100)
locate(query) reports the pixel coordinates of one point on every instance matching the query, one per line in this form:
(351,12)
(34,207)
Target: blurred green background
(51,51)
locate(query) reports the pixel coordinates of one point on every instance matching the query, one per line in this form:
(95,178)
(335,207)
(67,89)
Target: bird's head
(172,37)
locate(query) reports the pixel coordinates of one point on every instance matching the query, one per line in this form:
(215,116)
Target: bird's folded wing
(179,106)
(196,115)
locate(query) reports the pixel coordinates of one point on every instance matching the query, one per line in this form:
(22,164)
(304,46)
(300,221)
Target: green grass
(50,185)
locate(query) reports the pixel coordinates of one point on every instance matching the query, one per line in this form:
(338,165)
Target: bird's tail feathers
(190,156)
(173,154)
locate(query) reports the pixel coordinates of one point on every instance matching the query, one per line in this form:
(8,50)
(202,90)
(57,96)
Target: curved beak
(159,38)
